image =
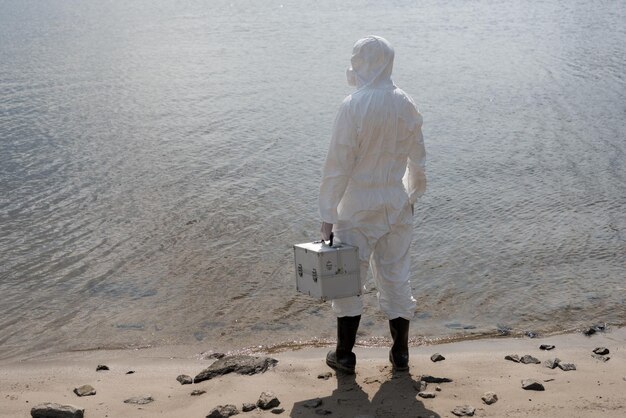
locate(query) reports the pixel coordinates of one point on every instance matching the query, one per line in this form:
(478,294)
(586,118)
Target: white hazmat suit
(373,174)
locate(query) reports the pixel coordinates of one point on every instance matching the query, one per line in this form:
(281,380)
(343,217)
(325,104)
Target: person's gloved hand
(326,230)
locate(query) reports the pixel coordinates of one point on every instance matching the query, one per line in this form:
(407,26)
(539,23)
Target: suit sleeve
(415,176)
(340,161)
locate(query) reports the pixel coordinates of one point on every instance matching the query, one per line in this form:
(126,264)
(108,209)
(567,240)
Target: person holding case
(373,174)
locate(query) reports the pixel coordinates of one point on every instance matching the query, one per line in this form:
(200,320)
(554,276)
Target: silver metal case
(326,272)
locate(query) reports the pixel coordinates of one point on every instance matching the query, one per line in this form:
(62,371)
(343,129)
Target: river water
(160,158)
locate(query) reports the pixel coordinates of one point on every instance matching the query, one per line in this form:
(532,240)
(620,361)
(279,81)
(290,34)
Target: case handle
(330,241)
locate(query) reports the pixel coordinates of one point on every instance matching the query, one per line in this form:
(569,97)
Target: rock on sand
(85,390)
(566,367)
(236,364)
(464,411)
(140,400)
(197,392)
(183,379)
(432,379)
(528,359)
(531,384)
(552,363)
(437,357)
(247,407)
(267,400)
(490,398)
(420,386)
(55,410)
(223,411)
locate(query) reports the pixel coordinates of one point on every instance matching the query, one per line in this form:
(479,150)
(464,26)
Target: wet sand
(594,389)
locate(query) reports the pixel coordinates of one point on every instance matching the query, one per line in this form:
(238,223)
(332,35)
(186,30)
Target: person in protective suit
(372,177)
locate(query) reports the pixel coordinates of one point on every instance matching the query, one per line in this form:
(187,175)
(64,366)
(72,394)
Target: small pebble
(278,411)
(140,400)
(595,328)
(552,363)
(504,330)
(530,384)
(512,357)
(313,403)
(464,411)
(223,411)
(546,347)
(420,386)
(85,390)
(267,400)
(432,379)
(602,351)
(490,398)
(247,407)
(183,379)
(566,367)
(101,367)
(216,356)
(528,359)
(437,357)
(603,359)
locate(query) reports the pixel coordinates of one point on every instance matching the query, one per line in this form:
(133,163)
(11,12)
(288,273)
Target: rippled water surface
(158,160)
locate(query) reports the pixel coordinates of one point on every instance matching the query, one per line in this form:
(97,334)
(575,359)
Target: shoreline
(595,388)
(371,341)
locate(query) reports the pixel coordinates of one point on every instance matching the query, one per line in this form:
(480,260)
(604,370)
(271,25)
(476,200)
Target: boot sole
(395,367)
(338,367)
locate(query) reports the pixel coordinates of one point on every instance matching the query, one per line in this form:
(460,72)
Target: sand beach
(596,388)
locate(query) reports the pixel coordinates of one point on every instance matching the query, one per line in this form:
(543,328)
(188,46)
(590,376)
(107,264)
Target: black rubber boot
(399,353)
(342,358)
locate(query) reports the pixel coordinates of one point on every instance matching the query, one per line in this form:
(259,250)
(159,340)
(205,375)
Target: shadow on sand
(396,397)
